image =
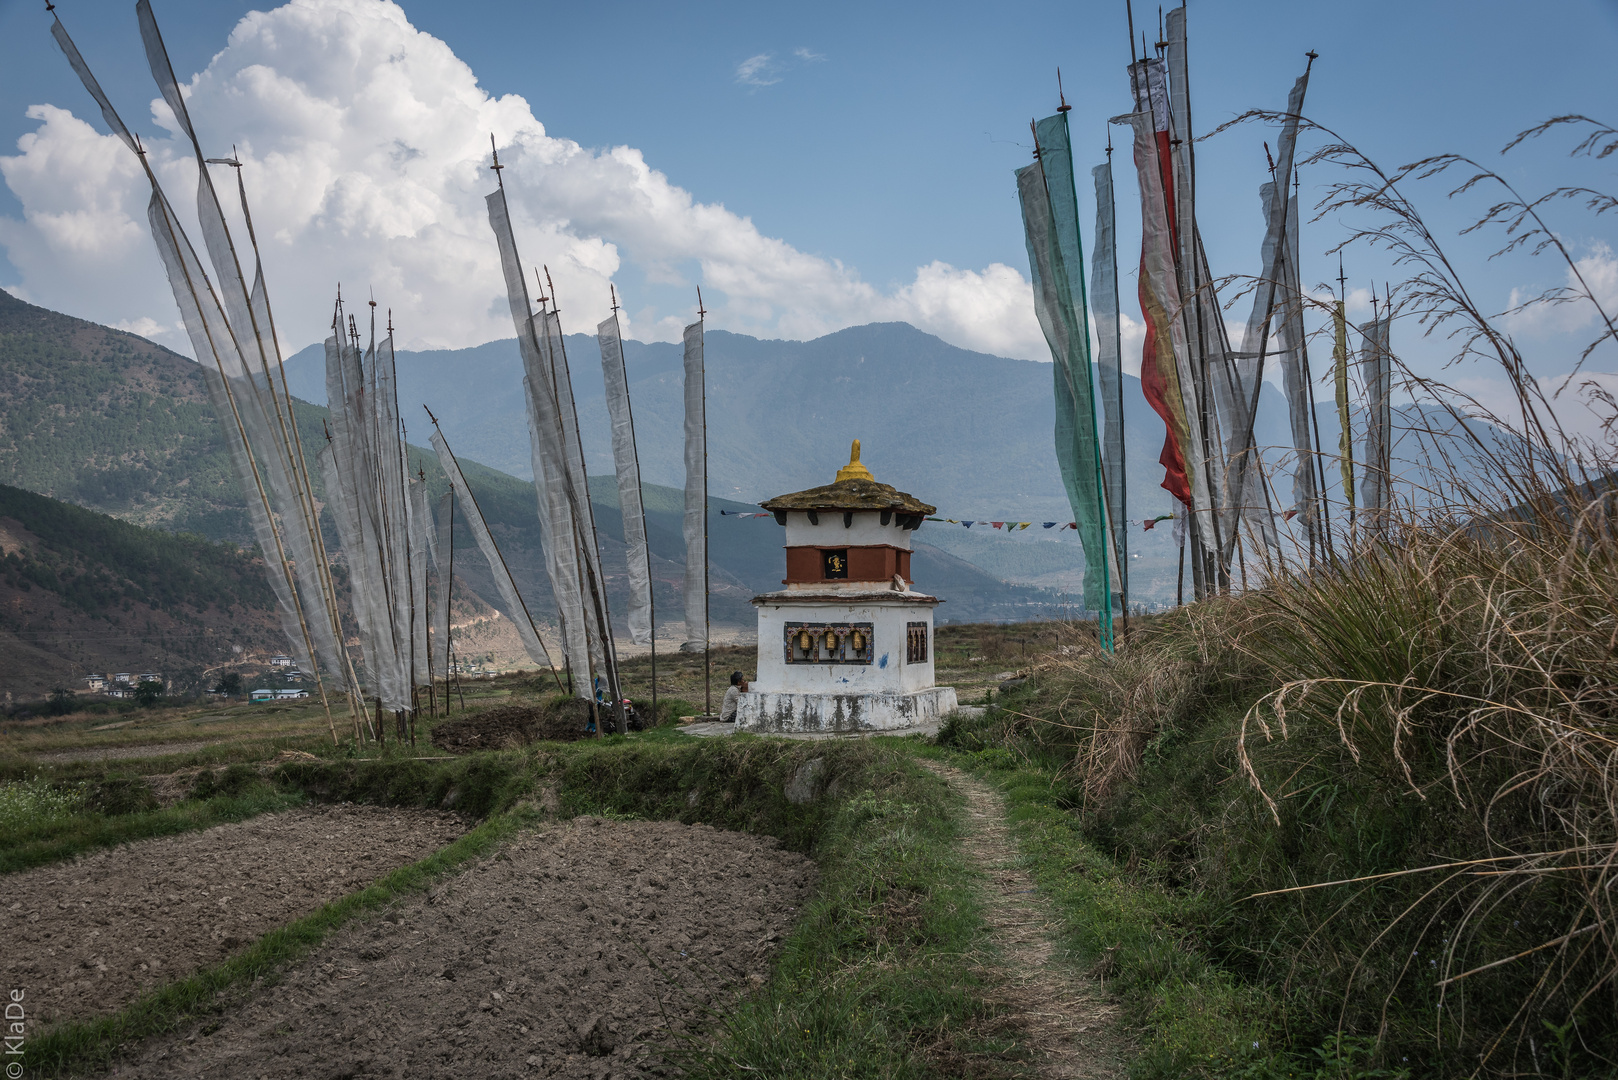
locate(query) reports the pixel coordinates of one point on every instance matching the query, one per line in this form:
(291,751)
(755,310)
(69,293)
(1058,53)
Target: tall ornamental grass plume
(1470,656)
(1390,775)
(1472,672)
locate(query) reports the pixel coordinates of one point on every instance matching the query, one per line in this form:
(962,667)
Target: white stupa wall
(888,671)
(866,530)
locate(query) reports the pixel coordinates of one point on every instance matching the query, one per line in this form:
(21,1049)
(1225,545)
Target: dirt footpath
(88,936)
(565,954)
(1065,1018)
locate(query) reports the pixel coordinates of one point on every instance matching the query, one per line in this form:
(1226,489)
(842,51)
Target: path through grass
(1067,1025)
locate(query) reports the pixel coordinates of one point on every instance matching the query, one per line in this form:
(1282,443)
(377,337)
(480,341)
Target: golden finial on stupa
(854,470)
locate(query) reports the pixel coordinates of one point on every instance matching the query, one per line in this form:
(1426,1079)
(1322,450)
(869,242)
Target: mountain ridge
(104,419)
(85,592)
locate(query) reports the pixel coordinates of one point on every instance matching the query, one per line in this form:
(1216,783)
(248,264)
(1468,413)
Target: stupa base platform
(764,712)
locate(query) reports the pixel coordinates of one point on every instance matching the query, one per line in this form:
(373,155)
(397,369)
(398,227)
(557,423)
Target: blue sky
(881,138)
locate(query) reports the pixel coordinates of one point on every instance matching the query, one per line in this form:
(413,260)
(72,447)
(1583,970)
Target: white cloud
(365,143)
(148,327)
(1600,272)
(765,70)
(1133,333)
(760,70)
(1582,405)
(1358,303)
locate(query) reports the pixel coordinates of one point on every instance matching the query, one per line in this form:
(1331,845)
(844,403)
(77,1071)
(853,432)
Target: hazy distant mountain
(966,431)
(110,421)
(969,432)
(106,419)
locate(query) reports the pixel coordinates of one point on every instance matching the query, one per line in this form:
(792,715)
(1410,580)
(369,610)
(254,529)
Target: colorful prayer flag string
(1004,526)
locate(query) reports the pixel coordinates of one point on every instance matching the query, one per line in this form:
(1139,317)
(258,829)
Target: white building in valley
(847,645)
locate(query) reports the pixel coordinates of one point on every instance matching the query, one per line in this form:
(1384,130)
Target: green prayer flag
(1050,209)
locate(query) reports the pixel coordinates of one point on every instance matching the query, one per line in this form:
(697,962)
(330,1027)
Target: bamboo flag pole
(426,604)
(1186,254)
(174,247)
(598,587)
(448,459)
(1322,504)
(707,621)
(229,274)
(646,544)
(574,536)
(1118,346)
(1345,439)
(449,603)
(306,488)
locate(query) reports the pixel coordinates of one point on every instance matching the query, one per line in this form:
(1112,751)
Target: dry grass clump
(1392,775)
(1103,710)
(1475,668)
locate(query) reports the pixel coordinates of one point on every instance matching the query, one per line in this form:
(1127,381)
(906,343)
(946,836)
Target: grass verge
(1192,1016)
(877,977)
(54,839)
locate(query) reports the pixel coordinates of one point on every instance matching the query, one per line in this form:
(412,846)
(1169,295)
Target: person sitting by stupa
(733,695)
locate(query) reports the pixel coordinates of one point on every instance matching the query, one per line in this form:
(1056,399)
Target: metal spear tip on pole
(495,153)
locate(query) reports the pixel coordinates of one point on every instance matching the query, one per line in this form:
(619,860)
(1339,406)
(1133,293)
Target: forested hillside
(82,591)
(104,418)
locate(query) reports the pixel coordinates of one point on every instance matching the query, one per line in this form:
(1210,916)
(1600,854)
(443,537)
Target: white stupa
(847,645)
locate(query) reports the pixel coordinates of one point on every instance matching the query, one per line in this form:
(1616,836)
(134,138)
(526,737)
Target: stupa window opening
(916,643)
(827,643)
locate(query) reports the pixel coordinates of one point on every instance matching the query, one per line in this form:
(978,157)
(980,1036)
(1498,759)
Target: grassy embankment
(102,773)
(1363,814)
(1362,819)
(43,823)
(875,980)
